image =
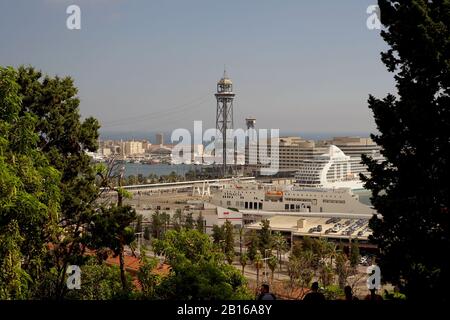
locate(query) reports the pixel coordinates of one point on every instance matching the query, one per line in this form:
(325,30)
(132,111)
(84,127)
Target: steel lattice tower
(224,114)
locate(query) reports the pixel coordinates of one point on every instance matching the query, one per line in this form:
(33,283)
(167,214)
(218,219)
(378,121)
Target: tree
(30,197)
(112,229)
(13,279)
(229,237)
(410,187)
(280,245)
(189,223)
(200,224)
(229,255)
(198,271)
(354,254)
(252,247)
(300,271)
(64,139)
(99,282)
(157,225)
(343,269)
(147,278)
(165,221)
(218,234)
(272,263)
(147,233)
(243,260)
(138,227)
(258,263)
(265,236)
(241,238)
(177,219)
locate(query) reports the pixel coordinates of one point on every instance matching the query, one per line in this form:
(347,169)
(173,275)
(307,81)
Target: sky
(152,65)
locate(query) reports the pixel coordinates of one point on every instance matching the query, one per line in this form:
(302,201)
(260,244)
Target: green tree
(258,263)
(177,219)
(280,245)
(147,233)
(229,236)
(243,260)
(272,263)
(218,234)
(354,254)
(147,278)
(189,223)
(64,139)
(343,269)
(241,238)
(99,282)
(410,187)
(265,236)
(30,197)
(13,278)
(157,225)
(112,229)
(138,227)
(200,224)
(198,271)
(229,255)
(253,245)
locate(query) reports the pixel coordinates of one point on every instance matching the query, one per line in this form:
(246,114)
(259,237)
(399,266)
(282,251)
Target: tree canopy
(410,188)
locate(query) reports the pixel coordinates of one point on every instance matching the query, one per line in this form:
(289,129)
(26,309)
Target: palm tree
(241,233)
(258,262)
(280,244)
(272,262)
(243,260)
(229,255)
(331,252)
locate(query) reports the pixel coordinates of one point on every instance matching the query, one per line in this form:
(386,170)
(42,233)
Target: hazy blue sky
(150,65)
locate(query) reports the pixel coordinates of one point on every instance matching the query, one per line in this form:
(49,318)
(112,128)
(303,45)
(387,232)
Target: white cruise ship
(256,197)
(333,169)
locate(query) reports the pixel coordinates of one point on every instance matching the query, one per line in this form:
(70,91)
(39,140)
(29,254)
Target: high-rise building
(132,148)
(355,146)
(160,138)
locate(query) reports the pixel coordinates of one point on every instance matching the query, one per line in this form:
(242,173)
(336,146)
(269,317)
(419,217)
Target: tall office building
(159,138)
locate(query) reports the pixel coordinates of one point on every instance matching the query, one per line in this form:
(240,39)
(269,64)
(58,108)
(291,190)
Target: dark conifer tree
(410,189)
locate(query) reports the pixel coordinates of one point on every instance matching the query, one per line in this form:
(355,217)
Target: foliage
(98,282)
(198,271)
(189,222)
(64,139)
(243,260)
(200,223)
(354,253)
(253,245)
(148,279)
(332,292)
(111,228)
(265,236)
(229,238)
(410,188)
(218,234)
(30,196)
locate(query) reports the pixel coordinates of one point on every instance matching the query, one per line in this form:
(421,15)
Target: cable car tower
(224,116)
